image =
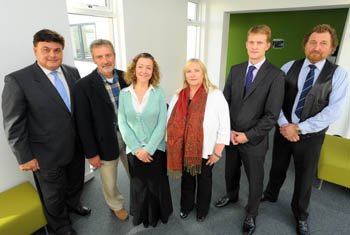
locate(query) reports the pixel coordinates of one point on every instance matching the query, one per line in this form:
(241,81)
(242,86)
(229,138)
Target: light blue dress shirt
(337,98)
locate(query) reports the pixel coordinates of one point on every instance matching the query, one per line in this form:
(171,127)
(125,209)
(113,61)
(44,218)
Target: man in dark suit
(315,97)
(96,100)
(40,129)
(254,91)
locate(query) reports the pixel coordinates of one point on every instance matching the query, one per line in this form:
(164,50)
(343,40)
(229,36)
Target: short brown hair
(47,35)
(323,28)
(260,29)
(130,74)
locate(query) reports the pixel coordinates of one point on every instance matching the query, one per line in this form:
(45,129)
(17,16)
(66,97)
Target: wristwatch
(298,130)
(219,156)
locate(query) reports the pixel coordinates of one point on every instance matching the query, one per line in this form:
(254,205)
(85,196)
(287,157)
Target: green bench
(334,164)
(21,212)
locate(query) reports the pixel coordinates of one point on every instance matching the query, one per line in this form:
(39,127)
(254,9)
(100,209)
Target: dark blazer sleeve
(272,108)
(84,120)
(227,88)
(14,109)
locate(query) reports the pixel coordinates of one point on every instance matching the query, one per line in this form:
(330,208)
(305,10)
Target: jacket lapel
(241,83)
(258,78)
(47,87)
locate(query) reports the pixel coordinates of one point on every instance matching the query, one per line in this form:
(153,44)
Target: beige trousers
(109,173)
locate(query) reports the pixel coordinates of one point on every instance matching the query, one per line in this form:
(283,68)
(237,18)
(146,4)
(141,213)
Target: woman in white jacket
(198,129)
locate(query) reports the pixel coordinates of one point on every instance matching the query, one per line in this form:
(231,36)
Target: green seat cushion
(21,210)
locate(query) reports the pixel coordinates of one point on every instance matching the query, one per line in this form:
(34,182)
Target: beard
(315,56)
(108,68)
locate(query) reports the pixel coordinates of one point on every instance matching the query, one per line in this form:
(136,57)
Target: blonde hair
(206,82)
(130,74)
(260,29)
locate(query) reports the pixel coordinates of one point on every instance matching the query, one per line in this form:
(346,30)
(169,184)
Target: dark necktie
(60,88)
(249,78)
(306,88)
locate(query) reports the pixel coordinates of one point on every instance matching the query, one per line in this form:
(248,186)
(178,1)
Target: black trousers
(306,153)
(253,161)
(203,182)
(60,188)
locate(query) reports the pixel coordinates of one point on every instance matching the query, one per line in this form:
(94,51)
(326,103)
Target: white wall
(159,28)
(217,23)
(19,20)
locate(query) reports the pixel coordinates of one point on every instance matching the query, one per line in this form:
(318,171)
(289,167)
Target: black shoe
(81,210)
(70,232)
(200,218)
(183,215)
(267,199)
(303,228)
(249,225)
(224,201)
(145,224)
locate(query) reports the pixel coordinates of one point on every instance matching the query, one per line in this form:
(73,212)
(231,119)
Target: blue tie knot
(312,66)
(251,68)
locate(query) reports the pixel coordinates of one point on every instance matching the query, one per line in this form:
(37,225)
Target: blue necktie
(249,78)
(306,88)
(61,90)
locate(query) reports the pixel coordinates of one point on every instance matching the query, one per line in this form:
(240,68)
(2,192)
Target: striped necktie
(61,90)
(306,88)
(249,77)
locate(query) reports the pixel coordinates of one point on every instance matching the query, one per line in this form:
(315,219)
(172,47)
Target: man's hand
(32,165)
(143,155)
(232,137)
(95,161)
(212,159)
(289,131)
(239,137)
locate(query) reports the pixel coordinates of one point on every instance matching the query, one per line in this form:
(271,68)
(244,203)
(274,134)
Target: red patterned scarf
(185,133)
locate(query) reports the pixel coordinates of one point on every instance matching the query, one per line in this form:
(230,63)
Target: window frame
(92,10)
(196,23)
(81,41)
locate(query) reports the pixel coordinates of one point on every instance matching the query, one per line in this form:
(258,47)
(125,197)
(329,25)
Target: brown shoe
(121,214)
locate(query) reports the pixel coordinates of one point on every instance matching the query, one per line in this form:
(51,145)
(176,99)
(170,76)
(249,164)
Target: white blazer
(216,124)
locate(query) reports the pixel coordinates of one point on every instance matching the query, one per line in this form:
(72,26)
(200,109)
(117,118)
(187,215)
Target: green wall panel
(290,26)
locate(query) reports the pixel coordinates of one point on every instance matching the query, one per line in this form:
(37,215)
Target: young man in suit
(40,128)
(96,99)
(315,97)
(254,91)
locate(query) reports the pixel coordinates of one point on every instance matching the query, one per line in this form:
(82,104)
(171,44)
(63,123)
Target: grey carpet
(329,210)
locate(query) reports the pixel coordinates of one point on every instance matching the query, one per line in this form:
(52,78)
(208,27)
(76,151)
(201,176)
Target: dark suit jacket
(37,122)
(257,111)
(95,117)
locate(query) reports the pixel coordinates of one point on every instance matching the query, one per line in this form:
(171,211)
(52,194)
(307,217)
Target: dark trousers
(253,162)
(60,188)
(203,182)
(306,153)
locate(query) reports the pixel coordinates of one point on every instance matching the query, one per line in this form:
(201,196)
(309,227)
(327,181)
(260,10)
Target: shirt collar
(319,65)
(48,72)
(257,65)
(115,76)
(131,88)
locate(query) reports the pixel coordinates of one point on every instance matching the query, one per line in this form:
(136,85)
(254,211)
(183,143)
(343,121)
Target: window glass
(192,11)
(191,41)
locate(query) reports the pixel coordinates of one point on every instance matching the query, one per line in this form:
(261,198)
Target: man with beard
(315,97)
(96,98)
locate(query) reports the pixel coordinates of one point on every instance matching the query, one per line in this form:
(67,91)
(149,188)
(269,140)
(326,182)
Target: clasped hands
(238,138)
(289,131)
(143,156)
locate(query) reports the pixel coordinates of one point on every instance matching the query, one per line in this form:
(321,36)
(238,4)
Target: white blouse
(216,123)
(135,102)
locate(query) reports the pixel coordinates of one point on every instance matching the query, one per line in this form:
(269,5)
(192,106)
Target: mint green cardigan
(147,127)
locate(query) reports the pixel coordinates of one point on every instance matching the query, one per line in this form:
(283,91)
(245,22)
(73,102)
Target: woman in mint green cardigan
(142,121)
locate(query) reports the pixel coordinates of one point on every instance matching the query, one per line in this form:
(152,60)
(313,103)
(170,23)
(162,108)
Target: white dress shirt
(216,123)
(60,76)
